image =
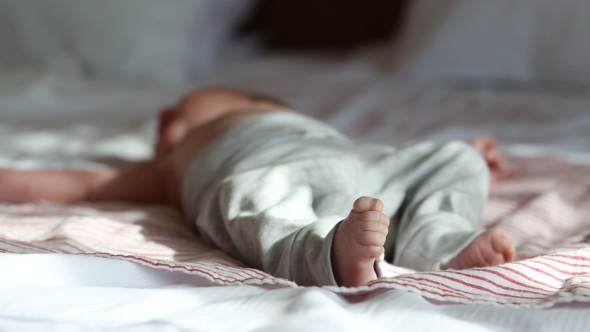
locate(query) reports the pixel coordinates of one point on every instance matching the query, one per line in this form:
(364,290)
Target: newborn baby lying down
(294,197)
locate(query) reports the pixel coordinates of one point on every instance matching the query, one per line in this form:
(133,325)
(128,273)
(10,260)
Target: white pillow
(514,39)
(139,41)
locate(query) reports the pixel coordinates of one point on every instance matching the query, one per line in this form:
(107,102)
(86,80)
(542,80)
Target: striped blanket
(545,209)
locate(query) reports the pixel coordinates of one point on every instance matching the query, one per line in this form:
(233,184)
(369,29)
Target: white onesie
(272,190)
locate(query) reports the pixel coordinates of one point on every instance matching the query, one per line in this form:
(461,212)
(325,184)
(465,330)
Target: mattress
(104,266)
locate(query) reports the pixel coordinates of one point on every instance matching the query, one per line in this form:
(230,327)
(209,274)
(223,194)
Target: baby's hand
(487,146)
(7,188)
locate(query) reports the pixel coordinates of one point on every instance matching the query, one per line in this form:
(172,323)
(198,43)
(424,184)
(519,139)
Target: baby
(292,196)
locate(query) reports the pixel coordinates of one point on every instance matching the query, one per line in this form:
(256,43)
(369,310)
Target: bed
(127,267)
(113,265)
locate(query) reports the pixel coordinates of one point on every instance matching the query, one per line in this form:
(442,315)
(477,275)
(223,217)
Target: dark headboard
(323,24)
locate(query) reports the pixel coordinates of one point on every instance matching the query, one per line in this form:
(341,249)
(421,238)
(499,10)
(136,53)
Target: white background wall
(139,41)
(167,41)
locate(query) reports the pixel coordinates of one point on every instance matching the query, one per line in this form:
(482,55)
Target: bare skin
(185,129)
(358,242)
(487,146)
(490,248)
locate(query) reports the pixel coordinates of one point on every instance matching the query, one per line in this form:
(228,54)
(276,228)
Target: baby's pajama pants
(272,191)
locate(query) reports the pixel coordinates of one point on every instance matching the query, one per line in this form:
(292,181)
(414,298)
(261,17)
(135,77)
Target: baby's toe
(371,238)
(371,226)
(365,203)
(373,216)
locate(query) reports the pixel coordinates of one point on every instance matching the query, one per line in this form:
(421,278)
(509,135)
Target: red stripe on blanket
(507,287)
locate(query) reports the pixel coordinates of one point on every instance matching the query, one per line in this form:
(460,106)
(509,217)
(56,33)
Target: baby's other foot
(358,242)
(492,247)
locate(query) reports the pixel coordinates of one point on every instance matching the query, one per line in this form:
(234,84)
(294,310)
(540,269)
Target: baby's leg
(448,187)
(358,242)
(140,183)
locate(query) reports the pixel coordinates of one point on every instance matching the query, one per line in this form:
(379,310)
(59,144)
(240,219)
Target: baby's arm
(488,148)
(140,183)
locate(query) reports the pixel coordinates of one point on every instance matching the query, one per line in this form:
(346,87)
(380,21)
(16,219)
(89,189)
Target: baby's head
(201,107)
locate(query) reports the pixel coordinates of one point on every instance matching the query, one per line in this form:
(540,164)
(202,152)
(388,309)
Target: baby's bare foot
(358,242)
(492,247)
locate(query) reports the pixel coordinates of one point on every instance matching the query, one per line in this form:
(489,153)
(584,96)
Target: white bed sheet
(66,290)
(42,124)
